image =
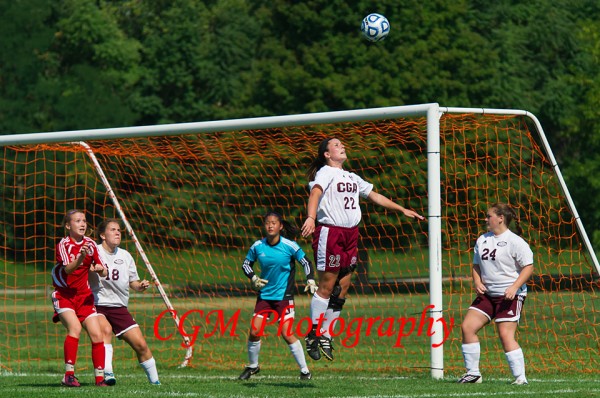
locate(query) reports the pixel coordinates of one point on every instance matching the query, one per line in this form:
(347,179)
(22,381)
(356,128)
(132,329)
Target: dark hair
(320,160)
(289,230)
(69,214)
(102,227)
(502,209)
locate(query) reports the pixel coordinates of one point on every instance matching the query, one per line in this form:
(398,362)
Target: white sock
(516,362)
(253,351)
(149,367)
(108,357)
(318,307)
(298,353)
(330,316)
(471,353)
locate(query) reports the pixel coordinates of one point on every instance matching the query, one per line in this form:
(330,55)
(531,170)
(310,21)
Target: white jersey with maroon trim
(501,259)
(67,251)
(113,290)
(339,203)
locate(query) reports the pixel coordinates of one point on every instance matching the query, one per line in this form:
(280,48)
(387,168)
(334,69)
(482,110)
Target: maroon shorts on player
(335,247)
(283,309)
(119,318)
(499,308)
(82,305)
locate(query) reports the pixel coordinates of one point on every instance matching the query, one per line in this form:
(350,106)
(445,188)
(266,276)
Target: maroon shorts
(335,247)
(82,305)
(119,318)
(499,308)
(284,309)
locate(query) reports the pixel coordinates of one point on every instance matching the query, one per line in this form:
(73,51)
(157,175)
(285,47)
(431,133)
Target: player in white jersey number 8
(111,297)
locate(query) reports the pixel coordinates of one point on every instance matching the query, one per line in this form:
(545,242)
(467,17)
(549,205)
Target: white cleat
(520,381)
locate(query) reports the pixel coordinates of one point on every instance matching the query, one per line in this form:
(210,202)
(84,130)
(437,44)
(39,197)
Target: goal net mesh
(196,204)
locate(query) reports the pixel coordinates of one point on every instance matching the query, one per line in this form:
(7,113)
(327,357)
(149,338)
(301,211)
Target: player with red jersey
(73,301)
(334,204)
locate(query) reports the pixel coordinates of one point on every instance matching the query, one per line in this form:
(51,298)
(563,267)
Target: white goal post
(432,112)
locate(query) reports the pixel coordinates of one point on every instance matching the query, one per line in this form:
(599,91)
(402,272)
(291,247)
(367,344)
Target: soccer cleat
(305,376)
(312,346)
(156,383)
(467,378)
(520,381)
(102,384)
(248,372)
(70,381)
(109,378)
(326,347)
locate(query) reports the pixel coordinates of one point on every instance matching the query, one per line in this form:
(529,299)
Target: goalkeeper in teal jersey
(276,256)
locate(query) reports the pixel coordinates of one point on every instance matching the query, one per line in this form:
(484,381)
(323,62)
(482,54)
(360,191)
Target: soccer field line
(282,377)
(519,392)
(468,392)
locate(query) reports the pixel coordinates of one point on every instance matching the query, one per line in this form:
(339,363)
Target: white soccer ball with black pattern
(375,27)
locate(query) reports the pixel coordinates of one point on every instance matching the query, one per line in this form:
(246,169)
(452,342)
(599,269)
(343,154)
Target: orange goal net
(195,203)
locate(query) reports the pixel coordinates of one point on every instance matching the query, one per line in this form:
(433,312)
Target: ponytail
(502,209)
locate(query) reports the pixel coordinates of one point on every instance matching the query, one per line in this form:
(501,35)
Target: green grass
(560,353)
(558,333)
(211,383)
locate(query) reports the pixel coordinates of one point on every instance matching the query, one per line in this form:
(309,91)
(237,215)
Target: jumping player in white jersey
(111,297)
(334,204)
(502,264)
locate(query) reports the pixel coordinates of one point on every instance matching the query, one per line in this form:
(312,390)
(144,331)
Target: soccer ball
(375,27)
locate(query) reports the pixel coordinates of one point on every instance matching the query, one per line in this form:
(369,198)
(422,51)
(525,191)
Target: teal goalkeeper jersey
(277,265)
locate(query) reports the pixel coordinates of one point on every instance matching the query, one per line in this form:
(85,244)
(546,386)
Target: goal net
(196,202)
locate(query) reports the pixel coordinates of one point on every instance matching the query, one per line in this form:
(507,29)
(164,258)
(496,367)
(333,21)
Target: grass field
(31,361)
(202,383)
(558,333)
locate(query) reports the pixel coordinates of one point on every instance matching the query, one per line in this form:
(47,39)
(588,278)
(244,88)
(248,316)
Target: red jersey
(77,281)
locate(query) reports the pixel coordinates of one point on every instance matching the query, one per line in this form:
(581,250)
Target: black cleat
(305,376)
(467,378)
(248,372)
(326,347)
(312,346)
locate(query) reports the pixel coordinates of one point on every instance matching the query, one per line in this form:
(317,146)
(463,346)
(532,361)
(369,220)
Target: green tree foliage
(80,64)
(193,57)
(27,34)
(581,136)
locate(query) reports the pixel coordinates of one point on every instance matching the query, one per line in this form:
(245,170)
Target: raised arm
(381,200)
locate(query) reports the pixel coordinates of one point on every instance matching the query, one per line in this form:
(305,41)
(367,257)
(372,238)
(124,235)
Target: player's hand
(99,268)
(258,283)
(86,250)
(308,227)
(144,285)
(480,288)
(311,286)
(413,214)
(510,293)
